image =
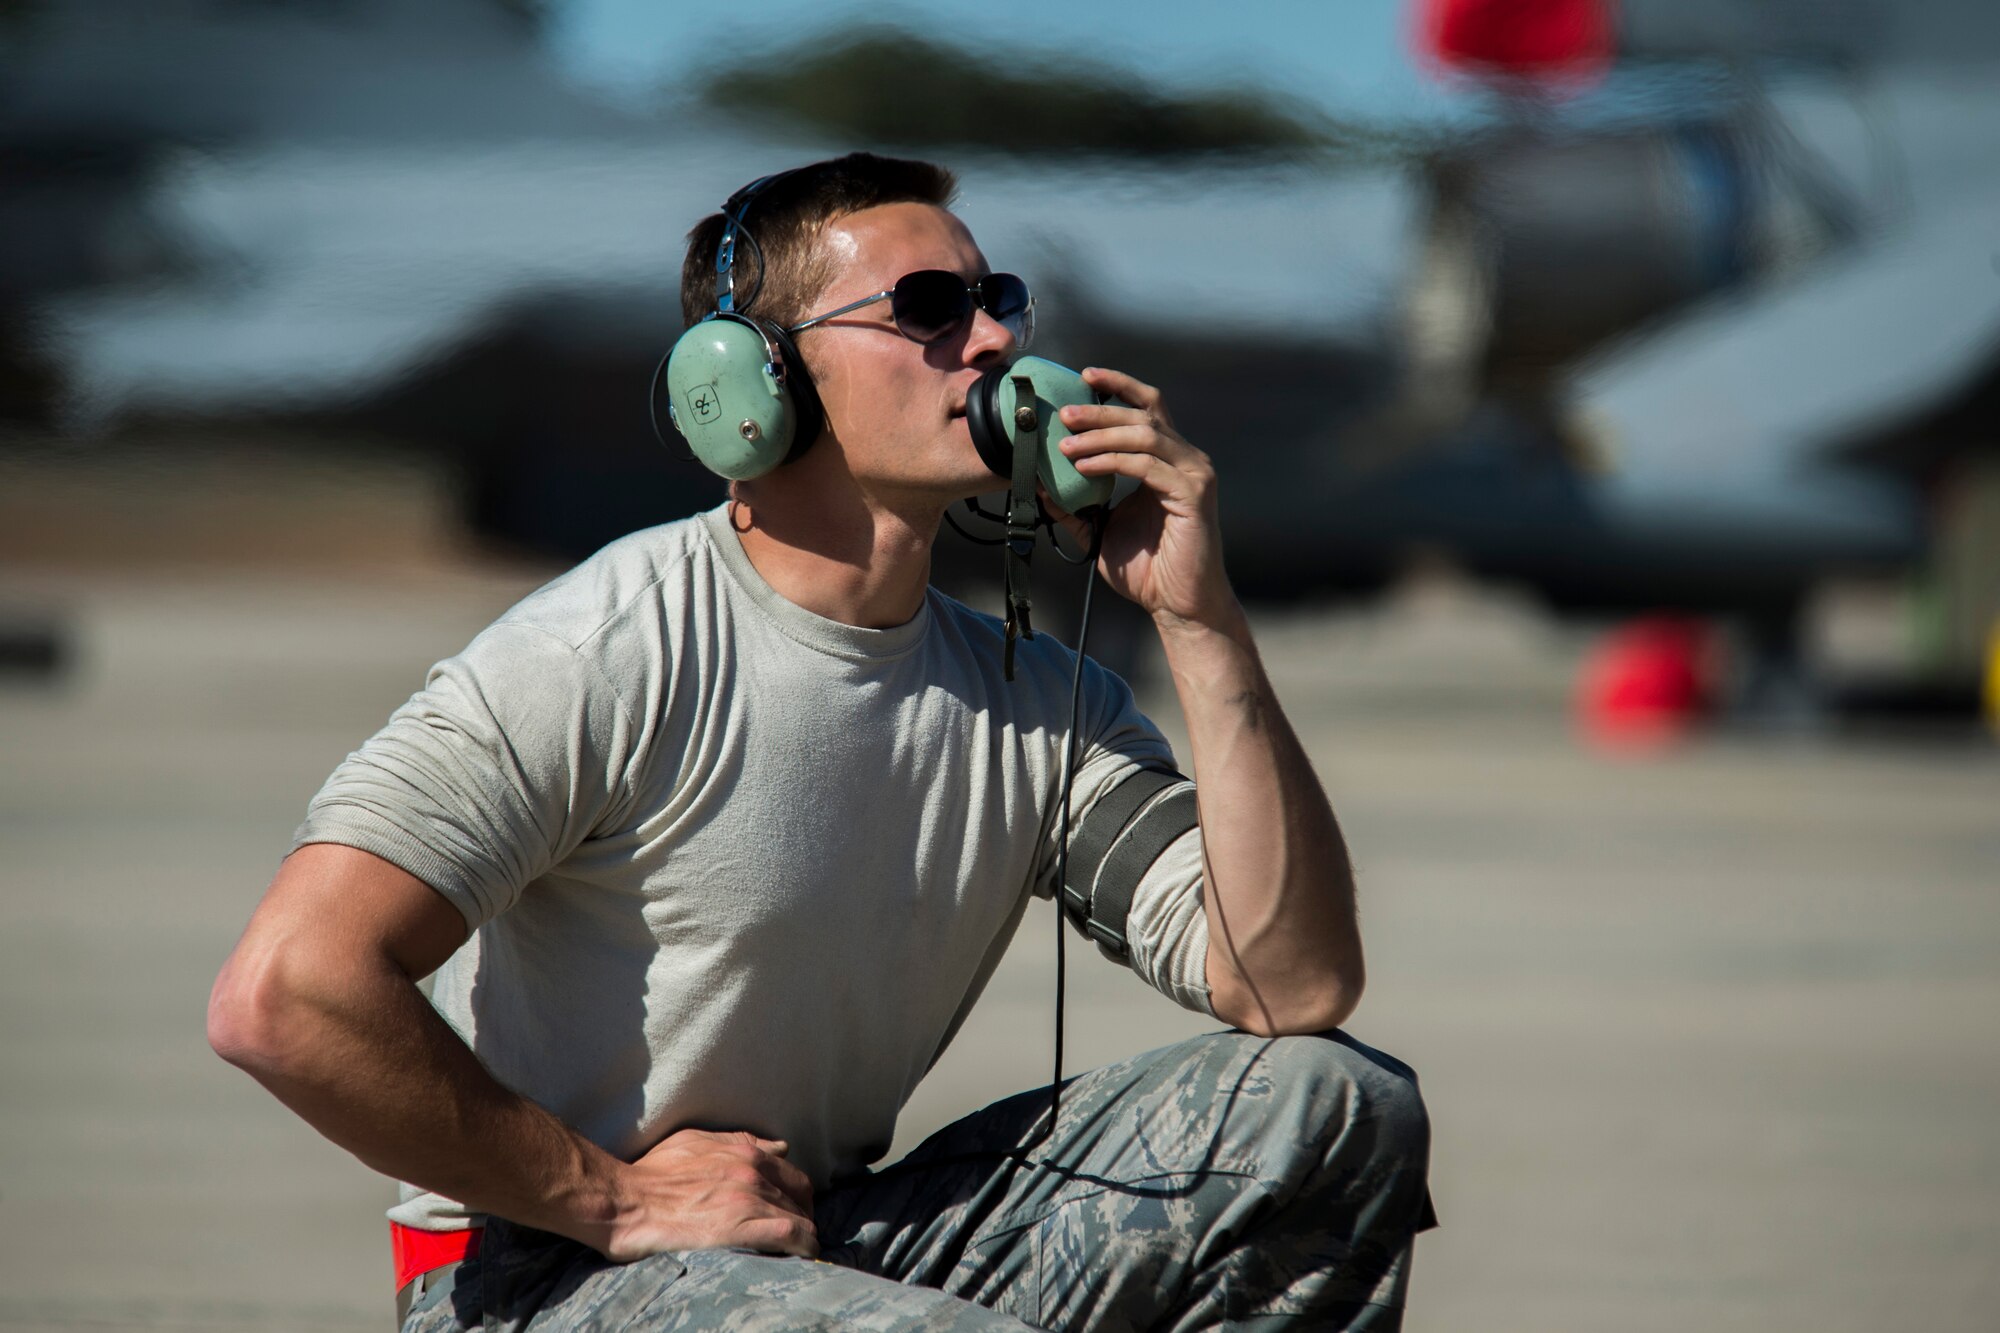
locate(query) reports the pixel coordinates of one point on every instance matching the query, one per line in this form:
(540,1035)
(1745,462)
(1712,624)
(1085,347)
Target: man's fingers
(1073,525)
(1166,481)
(1081,417)
(779,1235)
(1120,385)
(1132,450)
(1130,437)
(795,1184)
(767,1157)
(703,1188)
(1056,511)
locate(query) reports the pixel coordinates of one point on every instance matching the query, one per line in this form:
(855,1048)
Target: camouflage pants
(1225,1182)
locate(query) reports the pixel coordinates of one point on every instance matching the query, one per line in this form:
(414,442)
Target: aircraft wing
(1759,385)
(1736,419)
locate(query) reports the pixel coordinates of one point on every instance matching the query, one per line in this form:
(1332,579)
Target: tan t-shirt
(730,864)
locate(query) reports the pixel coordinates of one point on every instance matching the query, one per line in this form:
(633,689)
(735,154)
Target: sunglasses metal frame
(978,302)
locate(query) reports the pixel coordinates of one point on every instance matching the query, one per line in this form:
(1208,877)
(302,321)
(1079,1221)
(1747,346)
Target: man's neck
(845,556)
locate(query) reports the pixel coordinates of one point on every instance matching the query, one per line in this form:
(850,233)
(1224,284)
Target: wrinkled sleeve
(491,774)
(1166,930)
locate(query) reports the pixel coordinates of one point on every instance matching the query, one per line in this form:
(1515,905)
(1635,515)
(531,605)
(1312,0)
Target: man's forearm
(1284,948)
(356,1050)
(319,1002)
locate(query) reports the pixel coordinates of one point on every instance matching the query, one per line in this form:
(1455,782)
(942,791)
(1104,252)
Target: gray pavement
(1711,1040)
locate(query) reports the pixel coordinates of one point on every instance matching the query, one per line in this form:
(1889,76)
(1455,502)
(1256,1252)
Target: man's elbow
(1309,1004)
(1323,1006)
(1341,1000)
(253,1015)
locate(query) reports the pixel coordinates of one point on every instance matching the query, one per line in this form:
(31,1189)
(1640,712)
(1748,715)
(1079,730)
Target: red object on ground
(1566,43)
(1647,683)
(418,1252)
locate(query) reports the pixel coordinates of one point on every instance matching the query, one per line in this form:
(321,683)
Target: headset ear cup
(737,417)
(996,449)
(808,416)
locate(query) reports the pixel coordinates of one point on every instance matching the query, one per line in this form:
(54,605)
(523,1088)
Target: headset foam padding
(995,444)
(808,417)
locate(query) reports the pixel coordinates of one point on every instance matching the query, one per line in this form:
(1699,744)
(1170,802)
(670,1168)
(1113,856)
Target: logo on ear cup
(705,403)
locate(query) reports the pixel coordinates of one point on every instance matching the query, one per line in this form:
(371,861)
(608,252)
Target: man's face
(897,407)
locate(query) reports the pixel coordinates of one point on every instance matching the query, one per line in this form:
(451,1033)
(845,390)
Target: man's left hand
(1163,547)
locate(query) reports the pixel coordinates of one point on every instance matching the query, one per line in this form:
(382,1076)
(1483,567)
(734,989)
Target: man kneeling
(714,841)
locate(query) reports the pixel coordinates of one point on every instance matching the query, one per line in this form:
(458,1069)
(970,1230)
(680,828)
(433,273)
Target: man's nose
(988,341)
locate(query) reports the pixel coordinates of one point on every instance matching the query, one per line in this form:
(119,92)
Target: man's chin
(976,478)
(985,484)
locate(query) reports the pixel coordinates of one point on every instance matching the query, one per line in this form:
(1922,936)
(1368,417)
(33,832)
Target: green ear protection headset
(740,395)
(737,390)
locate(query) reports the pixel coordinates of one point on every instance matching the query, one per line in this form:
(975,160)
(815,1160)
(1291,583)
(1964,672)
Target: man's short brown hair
(784,221)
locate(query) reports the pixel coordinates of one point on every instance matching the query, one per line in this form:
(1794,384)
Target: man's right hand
(698,1190)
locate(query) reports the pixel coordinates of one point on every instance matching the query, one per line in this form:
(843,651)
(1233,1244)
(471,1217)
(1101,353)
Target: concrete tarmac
(1710,1040)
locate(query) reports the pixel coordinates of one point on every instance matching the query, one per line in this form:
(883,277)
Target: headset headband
(725,249)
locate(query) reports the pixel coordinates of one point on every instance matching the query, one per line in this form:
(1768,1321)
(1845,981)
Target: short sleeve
(1166,928)
(496,770)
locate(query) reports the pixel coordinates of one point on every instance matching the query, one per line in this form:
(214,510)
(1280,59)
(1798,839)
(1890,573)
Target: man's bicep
(354,904)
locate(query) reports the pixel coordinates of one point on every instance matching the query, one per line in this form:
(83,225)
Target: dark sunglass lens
(930,305)
(1003,294)
(1005,297)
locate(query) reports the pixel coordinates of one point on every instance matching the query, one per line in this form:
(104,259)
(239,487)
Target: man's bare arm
(319,1003)
(1284,951)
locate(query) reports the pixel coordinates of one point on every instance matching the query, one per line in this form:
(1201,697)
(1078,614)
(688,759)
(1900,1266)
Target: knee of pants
(1347,1098)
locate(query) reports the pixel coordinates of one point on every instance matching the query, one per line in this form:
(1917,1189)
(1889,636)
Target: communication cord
(1070,746)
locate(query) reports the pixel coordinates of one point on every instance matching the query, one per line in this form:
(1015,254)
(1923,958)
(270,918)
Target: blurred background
(1607,404)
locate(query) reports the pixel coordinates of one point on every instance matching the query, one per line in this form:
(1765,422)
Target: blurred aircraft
(1703,337)
(1753,307)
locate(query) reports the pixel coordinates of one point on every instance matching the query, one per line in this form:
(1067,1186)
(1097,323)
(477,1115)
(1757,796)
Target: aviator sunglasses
(931,305)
